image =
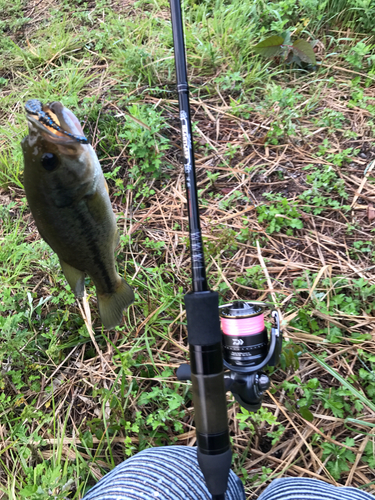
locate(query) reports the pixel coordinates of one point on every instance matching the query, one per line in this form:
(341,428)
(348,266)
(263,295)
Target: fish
(68,198)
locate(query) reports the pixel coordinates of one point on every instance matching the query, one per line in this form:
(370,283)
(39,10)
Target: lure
(34,107)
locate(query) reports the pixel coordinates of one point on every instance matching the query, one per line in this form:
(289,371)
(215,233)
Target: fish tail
(111,305)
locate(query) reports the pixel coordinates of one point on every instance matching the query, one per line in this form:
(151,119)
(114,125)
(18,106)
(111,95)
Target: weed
(298,52)
(362,247)
(282,104)
(146,145)
(344,156)
(156,246)
(232,199)
(351,13)
(340,457)
(253,277)
(230,81)
(224,241)
(331,119)
(324,183)
(279,216)
(357,56)
(251,421)
(163,417)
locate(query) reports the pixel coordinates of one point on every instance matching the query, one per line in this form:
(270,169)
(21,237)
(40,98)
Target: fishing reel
(246,350)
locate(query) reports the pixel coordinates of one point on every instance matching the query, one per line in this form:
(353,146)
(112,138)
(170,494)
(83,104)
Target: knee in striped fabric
(293,488)
(165,473)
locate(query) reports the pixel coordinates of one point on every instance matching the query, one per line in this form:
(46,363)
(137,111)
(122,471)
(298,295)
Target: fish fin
(75,278)
(111,305)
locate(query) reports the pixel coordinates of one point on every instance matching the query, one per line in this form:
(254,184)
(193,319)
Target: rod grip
(216,471)
(202,313)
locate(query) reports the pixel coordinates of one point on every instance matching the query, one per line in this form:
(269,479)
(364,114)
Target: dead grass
(323,247)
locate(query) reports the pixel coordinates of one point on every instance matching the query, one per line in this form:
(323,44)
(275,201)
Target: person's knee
(303,488)
(294,488)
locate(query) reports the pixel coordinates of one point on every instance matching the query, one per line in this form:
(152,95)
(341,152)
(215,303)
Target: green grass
(281,150)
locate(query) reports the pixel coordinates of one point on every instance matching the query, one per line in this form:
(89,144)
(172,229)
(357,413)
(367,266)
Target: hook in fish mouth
(35,107)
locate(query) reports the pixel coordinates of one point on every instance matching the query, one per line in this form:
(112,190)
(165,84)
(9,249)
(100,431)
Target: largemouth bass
(68,197)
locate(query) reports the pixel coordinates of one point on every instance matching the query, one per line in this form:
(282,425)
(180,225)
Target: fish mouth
(35,126)
(55,122)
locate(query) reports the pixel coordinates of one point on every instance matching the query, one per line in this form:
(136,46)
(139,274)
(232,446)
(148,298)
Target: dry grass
(323,247)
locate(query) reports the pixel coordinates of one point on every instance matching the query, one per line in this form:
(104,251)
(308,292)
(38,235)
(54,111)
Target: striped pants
(172,473)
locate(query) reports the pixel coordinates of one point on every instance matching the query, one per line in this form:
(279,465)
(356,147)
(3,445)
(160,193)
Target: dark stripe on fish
(91,234)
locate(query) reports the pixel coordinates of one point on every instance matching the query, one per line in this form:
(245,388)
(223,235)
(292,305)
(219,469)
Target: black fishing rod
(242,337)
(204,335)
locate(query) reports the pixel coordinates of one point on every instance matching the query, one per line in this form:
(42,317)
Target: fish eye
(49,161)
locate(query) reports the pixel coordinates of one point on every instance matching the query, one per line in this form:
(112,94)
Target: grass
(282,151)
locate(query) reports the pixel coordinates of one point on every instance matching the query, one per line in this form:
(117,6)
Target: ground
(285,160)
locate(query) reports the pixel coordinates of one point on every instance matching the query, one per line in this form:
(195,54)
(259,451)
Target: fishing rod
(204,335)
(229,345)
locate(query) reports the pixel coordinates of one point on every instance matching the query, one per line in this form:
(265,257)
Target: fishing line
(242,326)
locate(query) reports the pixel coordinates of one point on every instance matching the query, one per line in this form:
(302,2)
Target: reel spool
(245,340)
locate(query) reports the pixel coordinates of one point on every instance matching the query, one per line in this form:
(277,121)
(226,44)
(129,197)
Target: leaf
(269,47)
(286,35)
(28,490)
(296,223)
(335,407)
(304,51)
(306,413)
(334,469)
(350,442)
(88,439)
